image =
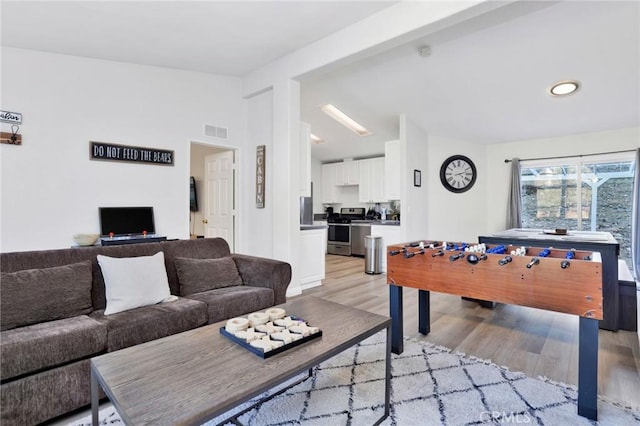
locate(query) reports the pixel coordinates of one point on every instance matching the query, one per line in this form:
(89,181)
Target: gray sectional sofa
(52,314)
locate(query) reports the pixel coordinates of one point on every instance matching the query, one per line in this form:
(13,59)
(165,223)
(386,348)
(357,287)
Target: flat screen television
(193,196)
(126,220)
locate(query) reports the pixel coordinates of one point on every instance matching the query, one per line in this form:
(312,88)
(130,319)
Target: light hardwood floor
(534,341)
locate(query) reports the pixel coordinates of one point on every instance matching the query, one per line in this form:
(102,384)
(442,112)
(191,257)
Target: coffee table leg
(94,399)
(387,380)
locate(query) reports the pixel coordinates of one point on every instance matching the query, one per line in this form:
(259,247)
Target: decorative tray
(269,333)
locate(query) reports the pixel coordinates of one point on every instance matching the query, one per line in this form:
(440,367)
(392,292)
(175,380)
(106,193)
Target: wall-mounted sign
(135,154)
(11,117)
(260,156)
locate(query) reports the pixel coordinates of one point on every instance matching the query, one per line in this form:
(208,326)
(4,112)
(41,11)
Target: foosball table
(567,281)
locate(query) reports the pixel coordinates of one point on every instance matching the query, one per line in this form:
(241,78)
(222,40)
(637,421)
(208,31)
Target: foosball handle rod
(505,260)
(533,262)
(455,257)
(397,252)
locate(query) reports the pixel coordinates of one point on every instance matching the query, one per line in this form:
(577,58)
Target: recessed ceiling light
(564,88)
(316,139)
(345,120)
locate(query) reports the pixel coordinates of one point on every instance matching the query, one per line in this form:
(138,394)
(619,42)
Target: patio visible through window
(580,194)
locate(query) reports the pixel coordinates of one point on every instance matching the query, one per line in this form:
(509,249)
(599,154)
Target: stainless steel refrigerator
(306,209)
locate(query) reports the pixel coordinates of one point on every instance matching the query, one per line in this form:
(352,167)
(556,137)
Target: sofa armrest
(263,272)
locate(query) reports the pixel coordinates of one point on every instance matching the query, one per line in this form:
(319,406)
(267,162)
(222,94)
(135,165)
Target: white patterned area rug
(430,386)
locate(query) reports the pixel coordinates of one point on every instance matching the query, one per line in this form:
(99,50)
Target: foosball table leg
(588,368)
(424,312)
(397,329)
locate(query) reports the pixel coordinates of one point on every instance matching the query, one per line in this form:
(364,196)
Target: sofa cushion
(198,275)
(32,348)
(147,323)
(37,295)
(229,302)
(36,398)
(131,282)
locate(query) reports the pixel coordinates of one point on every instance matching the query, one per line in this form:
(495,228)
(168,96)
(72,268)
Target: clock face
(458,173)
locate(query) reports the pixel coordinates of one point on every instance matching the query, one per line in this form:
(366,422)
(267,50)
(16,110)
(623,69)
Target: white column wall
(286,173)
(257,224)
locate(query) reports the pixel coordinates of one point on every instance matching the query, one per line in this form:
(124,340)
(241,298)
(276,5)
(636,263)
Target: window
(583,194)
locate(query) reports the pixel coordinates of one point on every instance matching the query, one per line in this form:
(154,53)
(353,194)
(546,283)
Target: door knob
(205,221)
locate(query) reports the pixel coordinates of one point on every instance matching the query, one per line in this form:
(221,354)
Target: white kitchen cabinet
(365,194)
(329,189)
(305,160)
(371,187)
(351,172)
(338,174)
(377,175)
(347,173)
(325,232)
(312,260)
(392,170)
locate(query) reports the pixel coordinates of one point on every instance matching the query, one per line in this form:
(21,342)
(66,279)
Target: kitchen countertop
(377,222)
(323,217)
(308,227)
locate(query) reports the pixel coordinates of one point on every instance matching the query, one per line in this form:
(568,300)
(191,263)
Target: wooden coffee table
(192,377)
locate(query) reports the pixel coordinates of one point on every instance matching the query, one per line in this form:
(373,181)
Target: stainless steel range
(340,238)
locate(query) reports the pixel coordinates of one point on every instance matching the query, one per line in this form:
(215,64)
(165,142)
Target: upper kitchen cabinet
(393,171)
(350,172)
(378,180)
(371,186)
(305,160)
(329,189)
(347,173)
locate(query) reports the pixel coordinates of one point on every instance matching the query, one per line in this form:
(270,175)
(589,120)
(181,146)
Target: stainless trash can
(373,254)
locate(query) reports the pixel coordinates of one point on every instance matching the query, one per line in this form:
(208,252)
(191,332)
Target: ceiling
(490,84)
(485,80)
(220,37)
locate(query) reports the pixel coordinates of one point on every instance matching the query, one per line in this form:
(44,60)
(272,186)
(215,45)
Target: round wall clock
(458,173)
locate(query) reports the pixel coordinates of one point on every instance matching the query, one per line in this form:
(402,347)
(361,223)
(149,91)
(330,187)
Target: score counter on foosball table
(567,281)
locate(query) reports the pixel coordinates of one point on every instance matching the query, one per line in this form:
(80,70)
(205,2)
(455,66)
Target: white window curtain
(635,218)
(514,207)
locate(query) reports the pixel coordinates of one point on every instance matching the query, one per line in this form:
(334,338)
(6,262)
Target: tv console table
(131,239)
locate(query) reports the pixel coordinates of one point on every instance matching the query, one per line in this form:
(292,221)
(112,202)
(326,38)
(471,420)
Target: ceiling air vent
(214,131)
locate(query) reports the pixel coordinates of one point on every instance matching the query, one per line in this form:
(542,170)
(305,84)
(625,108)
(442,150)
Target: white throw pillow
(132,282)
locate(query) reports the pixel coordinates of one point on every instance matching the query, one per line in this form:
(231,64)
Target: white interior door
(219,210)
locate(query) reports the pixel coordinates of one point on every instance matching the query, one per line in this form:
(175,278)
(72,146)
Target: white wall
(456,217)
(416,200)
(50,188)
(587,143)
(258,227)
